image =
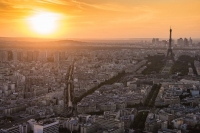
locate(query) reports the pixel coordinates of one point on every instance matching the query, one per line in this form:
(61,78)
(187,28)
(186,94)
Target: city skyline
(99,66)
(88,19)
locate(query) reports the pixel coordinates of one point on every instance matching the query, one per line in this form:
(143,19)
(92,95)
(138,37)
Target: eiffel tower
(169,50)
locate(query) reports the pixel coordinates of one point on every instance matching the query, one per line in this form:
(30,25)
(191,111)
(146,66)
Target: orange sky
(104,18)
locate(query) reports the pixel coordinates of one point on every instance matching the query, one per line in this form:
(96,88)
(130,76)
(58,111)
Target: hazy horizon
(33,39)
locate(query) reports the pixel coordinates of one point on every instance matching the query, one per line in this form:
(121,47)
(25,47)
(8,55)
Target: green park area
(154,64)
(150,100)
(107,82)
(139,121)
(183,64)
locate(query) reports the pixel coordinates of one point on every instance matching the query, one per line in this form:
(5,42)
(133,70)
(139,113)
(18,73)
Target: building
(185,42)
(29,56)
(46,126)
(109,123)
(14,129)
(35,55)
(4,56)
(14,52)
(22,128)
(42,56)
(169,131)
(101,124)
(191,73)
(88,128)
(190,41)
(155,41)
(177,123)
(10,55)
(56,57)
(19,56)
(61,55)
(180,41)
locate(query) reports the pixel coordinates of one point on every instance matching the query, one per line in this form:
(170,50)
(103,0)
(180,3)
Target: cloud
(4,5)
(60,2)
(80,11)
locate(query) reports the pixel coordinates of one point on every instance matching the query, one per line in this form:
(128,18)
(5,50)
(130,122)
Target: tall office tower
(169,51)
(185,42)
(153,41)
(14,52)
(157,40)
(190,41)
(180,41)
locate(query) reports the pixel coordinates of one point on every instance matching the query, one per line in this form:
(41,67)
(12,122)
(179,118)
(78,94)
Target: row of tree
(182,65)
(150,100)
(139,120)
(110,81)
(155,64)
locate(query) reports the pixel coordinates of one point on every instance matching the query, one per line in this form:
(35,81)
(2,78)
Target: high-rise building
(180,41)
(185,42)
(153,41)
(190,41)
(157,41)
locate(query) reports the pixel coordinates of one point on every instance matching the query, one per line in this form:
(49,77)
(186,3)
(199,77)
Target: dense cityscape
(145,86)
(99,66)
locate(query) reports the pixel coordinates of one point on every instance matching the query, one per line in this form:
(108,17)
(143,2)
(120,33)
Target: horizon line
(122,38)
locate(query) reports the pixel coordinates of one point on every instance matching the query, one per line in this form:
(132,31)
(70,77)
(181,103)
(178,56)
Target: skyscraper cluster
(155,41)
(184,42)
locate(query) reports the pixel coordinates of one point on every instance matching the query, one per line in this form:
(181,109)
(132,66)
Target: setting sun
(44,22)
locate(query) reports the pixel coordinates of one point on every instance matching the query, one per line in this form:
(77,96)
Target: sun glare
(44,22)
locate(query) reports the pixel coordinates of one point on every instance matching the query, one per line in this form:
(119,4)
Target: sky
(102,19)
